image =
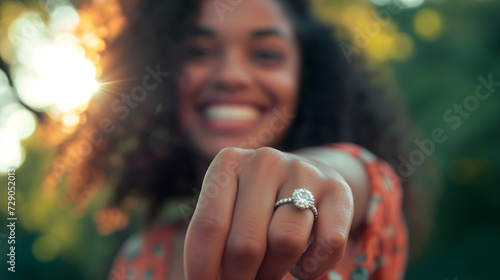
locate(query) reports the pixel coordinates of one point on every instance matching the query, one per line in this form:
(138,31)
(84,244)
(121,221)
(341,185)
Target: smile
(231,113)
(231,118)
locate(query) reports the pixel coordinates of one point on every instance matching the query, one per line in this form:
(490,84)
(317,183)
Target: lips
(231,117)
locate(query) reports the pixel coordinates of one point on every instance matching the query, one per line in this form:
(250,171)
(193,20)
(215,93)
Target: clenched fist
(236,232)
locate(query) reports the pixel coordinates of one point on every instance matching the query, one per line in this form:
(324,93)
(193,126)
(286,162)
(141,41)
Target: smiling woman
(249,109)
(236,75)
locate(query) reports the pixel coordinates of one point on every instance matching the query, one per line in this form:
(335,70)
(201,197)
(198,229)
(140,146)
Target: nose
(232,73)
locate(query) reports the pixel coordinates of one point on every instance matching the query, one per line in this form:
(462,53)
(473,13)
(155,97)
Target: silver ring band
(302,199)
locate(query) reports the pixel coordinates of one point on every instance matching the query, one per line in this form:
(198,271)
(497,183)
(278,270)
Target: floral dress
(380,253)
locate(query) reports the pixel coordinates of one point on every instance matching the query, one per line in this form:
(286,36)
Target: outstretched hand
(236,232)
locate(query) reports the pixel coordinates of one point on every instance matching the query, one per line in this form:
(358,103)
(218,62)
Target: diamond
(303,198)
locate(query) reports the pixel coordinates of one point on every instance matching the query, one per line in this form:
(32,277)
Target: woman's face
(239,87)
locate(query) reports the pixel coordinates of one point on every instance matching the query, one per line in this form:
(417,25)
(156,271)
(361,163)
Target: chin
(209,146)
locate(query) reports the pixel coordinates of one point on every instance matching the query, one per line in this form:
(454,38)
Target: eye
(199,52)
(267,56)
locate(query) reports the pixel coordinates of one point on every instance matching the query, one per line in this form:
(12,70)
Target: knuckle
(287,239)
(210,225)
(244,250)
(343,186)
(267,158)
(267,153)
(339,188)
(335,184)
(229,153)
(345,190)
(306,169)
(336,241)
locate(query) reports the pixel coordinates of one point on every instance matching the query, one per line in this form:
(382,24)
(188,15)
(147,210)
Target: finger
(257,191)
(288,234)
(210,224)
(290,227)
(331,231)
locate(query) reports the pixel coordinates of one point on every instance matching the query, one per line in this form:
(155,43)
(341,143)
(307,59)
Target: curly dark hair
(340,100)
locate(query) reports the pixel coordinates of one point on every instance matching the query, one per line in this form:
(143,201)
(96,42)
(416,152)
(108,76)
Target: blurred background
(437,51)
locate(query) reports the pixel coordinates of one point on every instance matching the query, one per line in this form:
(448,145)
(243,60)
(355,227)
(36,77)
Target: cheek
(192,77)
(188,83)
(284,86)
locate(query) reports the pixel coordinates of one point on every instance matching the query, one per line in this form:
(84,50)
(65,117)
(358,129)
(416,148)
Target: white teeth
(231,112)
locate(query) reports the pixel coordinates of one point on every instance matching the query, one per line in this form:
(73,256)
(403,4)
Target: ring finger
(288,233)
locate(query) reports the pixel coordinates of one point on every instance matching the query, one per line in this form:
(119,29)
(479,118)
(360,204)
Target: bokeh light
(70,119)
(64,19)
(412,3)
(45,248)
(12,151)
(51,73)
(16,124)
(402,48)
(52,56)
(381,2)
(62,77)
(428,24)
(373,31)
(18,120)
